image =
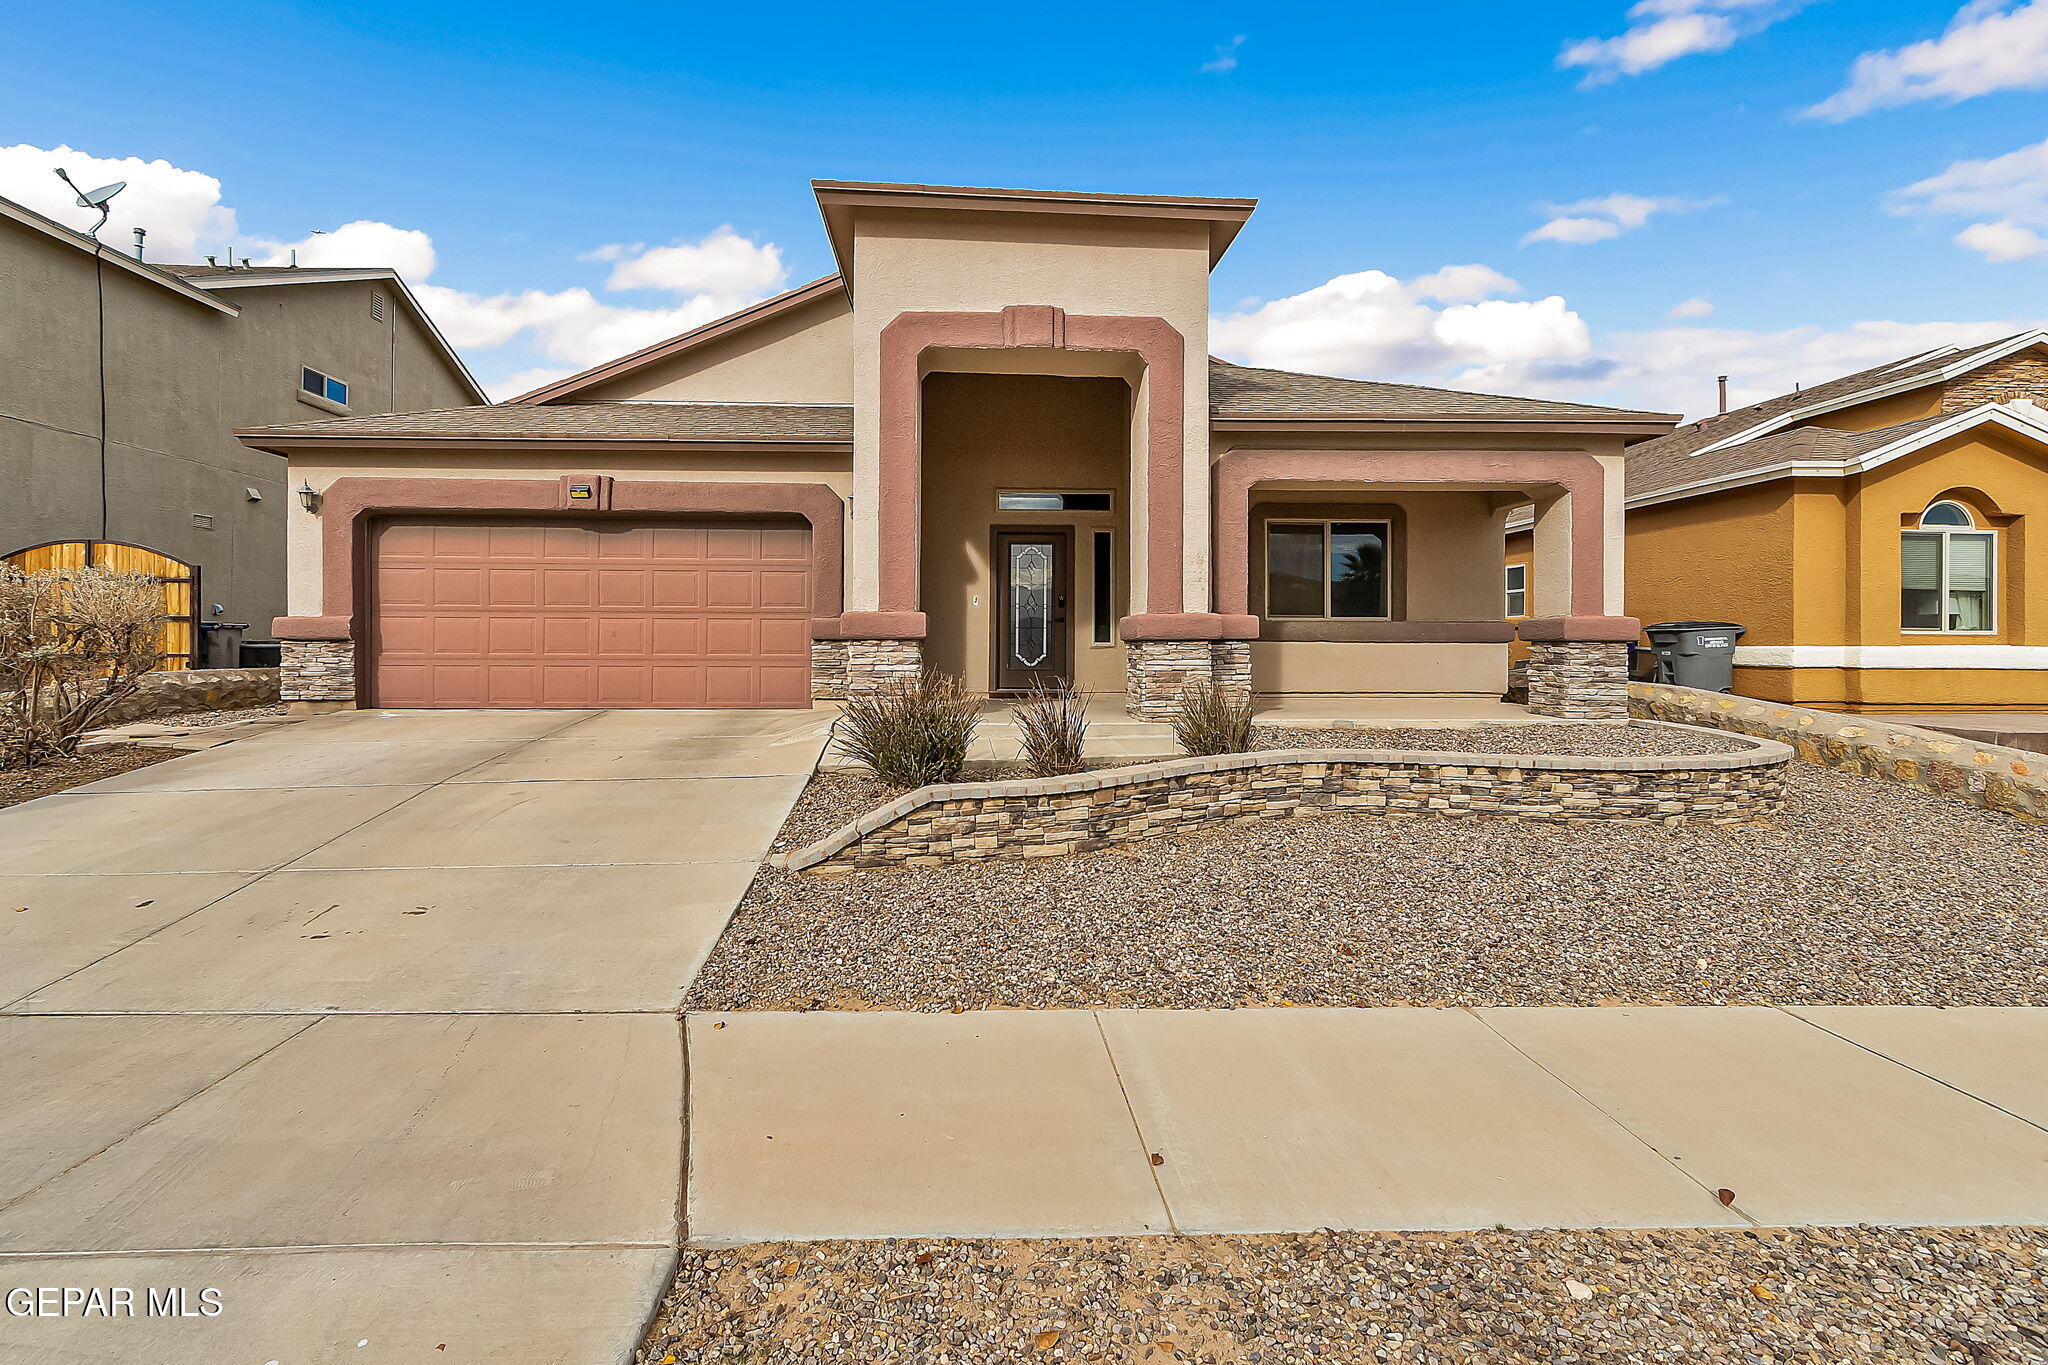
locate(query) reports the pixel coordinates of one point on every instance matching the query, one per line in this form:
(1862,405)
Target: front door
(1034,642)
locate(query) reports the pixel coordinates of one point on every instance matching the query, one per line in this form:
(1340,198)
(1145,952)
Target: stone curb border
(1765,753)
(1994,776)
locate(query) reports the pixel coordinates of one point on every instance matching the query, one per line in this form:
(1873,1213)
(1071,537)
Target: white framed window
(1327,570)
(323,385)
(1948,574)
(1518,590)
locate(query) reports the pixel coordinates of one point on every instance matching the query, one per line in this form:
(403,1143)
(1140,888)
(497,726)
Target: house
(1871,533)
(992,443)
(122,380)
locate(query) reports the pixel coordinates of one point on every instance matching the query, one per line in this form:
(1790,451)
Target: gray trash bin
(1696,653)
(220,644)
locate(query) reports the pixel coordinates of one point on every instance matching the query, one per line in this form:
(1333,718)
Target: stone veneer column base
(871,663)
(1231,664)
(1155,671)
(828,670)
(317,675)
(1579,679)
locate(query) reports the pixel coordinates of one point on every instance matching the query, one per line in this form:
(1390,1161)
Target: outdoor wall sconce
(309,497)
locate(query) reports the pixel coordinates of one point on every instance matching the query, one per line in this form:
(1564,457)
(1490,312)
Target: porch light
(309,497)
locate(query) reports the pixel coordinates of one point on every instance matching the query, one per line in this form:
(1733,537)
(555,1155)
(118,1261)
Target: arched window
(1948,573)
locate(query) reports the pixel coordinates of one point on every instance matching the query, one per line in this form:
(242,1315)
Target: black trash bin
(1696,653)
(220,644)
(262,654)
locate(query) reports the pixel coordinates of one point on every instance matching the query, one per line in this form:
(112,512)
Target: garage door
(596,613)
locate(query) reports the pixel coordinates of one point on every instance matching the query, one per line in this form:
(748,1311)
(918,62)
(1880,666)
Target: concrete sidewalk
(368,1023)
(1068,1123)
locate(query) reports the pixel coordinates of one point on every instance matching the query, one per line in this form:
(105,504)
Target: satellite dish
(94,199)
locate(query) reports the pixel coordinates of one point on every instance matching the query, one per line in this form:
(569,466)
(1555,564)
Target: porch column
(1578,641)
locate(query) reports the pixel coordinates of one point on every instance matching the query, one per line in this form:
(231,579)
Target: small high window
(1327,569)
(1948,574)
(1518,590)
(323,386)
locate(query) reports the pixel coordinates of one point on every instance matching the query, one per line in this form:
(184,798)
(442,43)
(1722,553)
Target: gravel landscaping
(26,784)
(1970,1296)
(1867,892)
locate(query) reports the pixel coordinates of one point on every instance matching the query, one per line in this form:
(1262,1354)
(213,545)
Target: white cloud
(722,265)
(1692,308)
(1662,31)
(1226,57)
(1989,45)
(1370,325)
(364,242)
(1607,217)
(2009,193)
(180,208)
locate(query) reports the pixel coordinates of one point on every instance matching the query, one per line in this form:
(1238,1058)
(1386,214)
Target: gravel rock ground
(26,784)
(1969,1296)
(1867,892)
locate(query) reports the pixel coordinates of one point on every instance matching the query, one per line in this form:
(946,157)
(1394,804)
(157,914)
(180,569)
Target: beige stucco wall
(911,261)
(802,356)
(990,433)
(180,377)
(303,528)
(1403,669)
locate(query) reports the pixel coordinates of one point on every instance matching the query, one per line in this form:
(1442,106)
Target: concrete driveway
(367,1023)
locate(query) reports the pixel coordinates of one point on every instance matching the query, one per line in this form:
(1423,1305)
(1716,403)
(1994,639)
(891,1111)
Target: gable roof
(155,274)
(618,421)
(785,302)
(1245,391)
(211,278)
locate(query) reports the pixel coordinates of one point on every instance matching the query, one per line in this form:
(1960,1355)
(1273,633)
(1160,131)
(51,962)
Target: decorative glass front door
(1033,639)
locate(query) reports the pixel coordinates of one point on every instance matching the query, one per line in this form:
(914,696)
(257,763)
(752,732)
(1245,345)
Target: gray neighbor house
(122,380)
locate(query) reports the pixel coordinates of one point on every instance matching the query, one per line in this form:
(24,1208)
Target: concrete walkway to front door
(368,1023)
(1017,1123)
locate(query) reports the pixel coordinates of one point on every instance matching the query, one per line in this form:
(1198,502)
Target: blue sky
(1394,138)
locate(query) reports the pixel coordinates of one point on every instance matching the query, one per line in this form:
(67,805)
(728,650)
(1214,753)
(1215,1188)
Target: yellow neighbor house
(1871,532)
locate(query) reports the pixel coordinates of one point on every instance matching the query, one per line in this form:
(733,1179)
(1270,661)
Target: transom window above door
(1330,570)
(1948,574)
(1052,502)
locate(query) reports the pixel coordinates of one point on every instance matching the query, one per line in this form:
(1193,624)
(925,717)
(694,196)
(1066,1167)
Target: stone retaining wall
(196,689)
(1989,775)
(1038,817)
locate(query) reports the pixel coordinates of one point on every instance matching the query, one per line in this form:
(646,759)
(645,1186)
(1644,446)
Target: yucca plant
(911,732)
(1206,720)
(1052,729)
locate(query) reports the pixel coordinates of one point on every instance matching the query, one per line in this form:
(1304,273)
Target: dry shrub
(1052,728)
(73,643)
(1206,720)
(911,732)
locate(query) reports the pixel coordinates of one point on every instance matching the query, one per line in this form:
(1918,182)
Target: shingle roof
(201,272)
(1245,391)
(617,421)
(1671,461)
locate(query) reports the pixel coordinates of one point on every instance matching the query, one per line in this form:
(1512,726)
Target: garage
(518,612)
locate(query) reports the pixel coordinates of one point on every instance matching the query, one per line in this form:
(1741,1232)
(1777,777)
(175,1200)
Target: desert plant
(73,643)
(1052,729)
(1208,720)
(911,732)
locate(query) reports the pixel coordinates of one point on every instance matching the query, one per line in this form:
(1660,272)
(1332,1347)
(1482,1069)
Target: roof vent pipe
(1722,380)
(140,233)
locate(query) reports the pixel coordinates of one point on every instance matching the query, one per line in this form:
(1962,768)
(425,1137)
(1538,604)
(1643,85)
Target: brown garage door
(591,613)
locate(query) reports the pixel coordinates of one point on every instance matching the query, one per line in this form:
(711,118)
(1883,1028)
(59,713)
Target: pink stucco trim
(1578,475)
(1158,345)
(871,625)
(1579,628)
(310,627)
(1179,625)
(348,504)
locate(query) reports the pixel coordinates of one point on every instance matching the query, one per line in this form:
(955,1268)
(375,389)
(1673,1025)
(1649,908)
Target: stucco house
(1871,532)
(122,381)
(993,443)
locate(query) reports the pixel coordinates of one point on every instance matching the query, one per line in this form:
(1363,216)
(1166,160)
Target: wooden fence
(178,580)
